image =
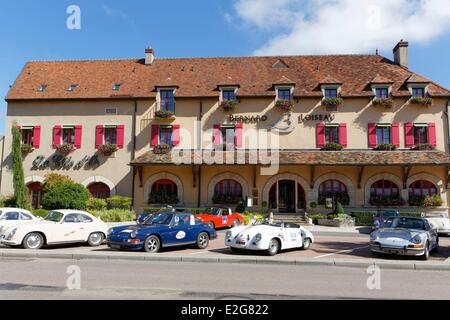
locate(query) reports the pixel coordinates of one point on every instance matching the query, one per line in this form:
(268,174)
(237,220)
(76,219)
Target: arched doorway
(287,196)
(99,190)
(35,192)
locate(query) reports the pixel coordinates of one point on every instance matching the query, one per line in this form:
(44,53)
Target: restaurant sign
(316,117)
(247,119)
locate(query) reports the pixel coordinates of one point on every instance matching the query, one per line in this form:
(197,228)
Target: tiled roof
(381,80)
(415,78)
(199,77)
(335,158)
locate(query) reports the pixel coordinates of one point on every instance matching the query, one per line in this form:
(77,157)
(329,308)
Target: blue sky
(36,30)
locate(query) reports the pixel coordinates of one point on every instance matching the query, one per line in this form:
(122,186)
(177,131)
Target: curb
(392,265)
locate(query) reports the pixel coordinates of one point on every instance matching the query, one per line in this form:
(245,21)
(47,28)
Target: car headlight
(228,235)
(133,234)
(258,237)
(374,236)
(417,239)
(12,233)
(110,230)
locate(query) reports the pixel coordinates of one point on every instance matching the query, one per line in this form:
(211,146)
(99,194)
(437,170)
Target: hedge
(115,215)
(365,218)
(193,210)
(40,212)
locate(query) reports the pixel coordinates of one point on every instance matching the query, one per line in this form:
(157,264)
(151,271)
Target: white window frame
(222,89)
(66,126)
(381,86)
(108,126)
(423,86)
(158,95)
(331,86)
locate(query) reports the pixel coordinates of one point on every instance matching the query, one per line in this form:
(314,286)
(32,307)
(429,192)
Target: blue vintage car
(163,229)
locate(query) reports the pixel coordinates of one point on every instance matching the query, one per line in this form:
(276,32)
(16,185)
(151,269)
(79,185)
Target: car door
(224,218)
(180,231)
(71,229)
(293,238)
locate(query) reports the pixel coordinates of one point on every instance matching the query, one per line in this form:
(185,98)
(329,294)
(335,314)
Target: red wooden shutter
(120,136)
(409,134)
(57,135)
(432,134)
(238,135)
(78,132)
(175,135)
(98,136)
(395,133)
(372,131)
(217,135)
(320,133)
(155,135)
(343,134)
(37,137)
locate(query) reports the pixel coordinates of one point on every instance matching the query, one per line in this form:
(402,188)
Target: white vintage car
(440,221)
(15,216)
(270,238)
(59,227)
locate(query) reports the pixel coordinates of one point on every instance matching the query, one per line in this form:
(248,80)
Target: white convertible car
(270,238)
(439,220)
(59,227)
(15,216)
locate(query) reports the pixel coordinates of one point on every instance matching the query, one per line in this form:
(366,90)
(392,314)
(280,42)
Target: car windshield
(160,218)
(212,211)
(54,216)
(144,217)
(406,223)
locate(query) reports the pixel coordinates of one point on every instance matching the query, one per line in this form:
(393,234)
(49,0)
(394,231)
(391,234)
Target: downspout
(199,148)
(133,151)
(448,124)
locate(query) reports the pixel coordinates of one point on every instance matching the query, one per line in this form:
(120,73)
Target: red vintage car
(219,217)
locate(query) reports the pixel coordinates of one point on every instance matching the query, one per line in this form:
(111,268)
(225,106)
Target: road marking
(341,251)
(199,252)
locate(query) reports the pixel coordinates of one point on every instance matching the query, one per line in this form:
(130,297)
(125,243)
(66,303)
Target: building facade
(286,132)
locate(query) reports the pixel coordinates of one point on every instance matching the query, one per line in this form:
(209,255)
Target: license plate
(240,241)
(115,246)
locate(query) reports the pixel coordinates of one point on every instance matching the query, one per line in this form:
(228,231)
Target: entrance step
(298,219)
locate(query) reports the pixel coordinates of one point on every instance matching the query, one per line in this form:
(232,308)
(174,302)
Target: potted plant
(162,149)
(423,147)
(228,105)
(332,147)
(385,147)
(332,101)
(285,105)
(386,201)
(425,201)
(421,101)
(386,102)
(26,148)
(163,114)
(107,149)
(65,148)
(162,197)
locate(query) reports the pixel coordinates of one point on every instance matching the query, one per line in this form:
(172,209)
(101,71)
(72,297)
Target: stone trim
(31,179)
(101,179)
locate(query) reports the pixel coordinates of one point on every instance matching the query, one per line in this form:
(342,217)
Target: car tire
(274,247)
(33,240)
(426,253)
(306,244)
(152,244)
(95,239)
(202,240)
(235,223)
(211,224)
(436,248)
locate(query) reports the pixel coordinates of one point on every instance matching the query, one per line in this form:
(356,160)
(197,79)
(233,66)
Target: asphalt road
(47,279)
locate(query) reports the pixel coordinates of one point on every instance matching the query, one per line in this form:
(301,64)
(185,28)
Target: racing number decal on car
(180,235)
(224,220)
(294,236)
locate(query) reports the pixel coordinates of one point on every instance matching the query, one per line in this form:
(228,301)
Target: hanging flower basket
(26,148)
(65,149)
(332,101)
(421,101)
(228,105)
(163,114)
(285,105)
(332,147)
(162,149)
(423,147)
(107,149)
(386,147)
(386,102)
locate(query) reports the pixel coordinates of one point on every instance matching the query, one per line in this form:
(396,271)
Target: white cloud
(118,14)
(343,26)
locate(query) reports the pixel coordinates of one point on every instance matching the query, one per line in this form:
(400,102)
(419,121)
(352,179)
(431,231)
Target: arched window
(422,188)
(227,191)
(333,189)
(384,188)
(99,190)
(164,191)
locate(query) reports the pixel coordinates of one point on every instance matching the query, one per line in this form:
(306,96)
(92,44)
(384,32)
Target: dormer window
(330,92)
(116,86)
(229,94)
(72,88)
(284,94)
(42,88)
(382,93)
(418,92)
(166,100)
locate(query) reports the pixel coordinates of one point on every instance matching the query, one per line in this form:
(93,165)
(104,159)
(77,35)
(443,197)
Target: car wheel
(436,248)
(274,247)
(202,240)
(95,239)
(152,244)
(426,253)
(33,240)
(306,244)
(211,224)
(235,223)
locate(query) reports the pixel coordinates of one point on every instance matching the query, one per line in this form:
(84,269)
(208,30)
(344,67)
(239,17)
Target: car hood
(252,230)
(144,228)
(398,233)
(439,222)
(205,216)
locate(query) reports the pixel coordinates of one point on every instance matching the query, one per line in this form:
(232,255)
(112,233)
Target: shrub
(162,197)
(226,199)
(162,149)
(313,205)
(423,147)
(96,204)
(53,179)
(66,196)
(332,101)
(386,201)
(285,105)
(240,207)
(40,213)
(119,202)
(426,201)
(107,149)
(315,217)
(386,147)
(339,208)
(228,105)
(332,147)
(420,100)
(341,197)
(411,214)
(114,215)
(363,218)
(387,102)
(8,202)
(248,215)
(163,114)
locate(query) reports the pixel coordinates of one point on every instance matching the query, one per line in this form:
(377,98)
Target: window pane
(284,94)
(330,93)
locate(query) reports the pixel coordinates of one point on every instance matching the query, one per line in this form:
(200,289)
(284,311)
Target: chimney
(149,56)
(401,53)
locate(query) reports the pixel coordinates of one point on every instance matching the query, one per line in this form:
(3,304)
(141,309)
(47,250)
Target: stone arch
(224,176)
(31,179)
(439,183)
(163,175)
(340,177)
(286,176)
(383,176)
(101,179)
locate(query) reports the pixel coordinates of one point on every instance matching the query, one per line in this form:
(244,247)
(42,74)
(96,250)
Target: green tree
(52,179)
(67,195)
(20,190)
